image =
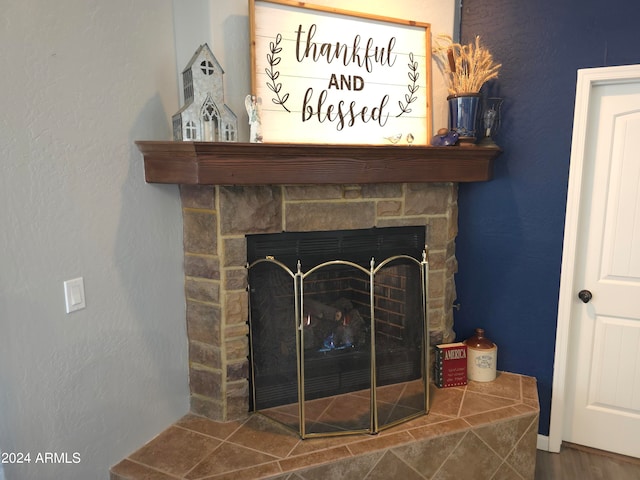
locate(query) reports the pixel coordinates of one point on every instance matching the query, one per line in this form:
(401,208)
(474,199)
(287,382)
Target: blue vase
(463,115)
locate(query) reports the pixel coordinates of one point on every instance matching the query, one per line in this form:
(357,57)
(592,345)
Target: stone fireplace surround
(216,220)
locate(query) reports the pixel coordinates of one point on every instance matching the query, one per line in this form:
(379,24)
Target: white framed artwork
(326,75)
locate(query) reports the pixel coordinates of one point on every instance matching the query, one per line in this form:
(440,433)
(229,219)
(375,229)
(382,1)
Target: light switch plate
(74,294)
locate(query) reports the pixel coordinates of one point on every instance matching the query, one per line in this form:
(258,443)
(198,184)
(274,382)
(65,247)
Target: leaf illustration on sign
(273,60)
(413,87)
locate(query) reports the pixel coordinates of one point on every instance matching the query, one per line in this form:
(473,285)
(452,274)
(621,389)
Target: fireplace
(490,425)
(338,316)
(217,220)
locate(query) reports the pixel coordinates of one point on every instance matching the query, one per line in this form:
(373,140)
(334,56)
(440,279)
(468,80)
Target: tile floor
(488,429)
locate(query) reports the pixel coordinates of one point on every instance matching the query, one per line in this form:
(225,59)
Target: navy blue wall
(509,245)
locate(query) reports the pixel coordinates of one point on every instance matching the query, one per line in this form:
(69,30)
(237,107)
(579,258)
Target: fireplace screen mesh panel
(340,348)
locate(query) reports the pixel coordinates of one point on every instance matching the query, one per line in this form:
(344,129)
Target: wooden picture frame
(325,75)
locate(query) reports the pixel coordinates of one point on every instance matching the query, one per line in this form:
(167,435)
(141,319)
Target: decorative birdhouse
(204,115)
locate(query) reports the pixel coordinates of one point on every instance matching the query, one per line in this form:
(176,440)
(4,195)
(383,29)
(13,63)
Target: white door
(600,286)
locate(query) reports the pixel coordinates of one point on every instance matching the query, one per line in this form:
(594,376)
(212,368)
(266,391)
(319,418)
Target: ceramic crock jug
(482,357)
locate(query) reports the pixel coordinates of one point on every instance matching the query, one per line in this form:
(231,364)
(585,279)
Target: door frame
(588,78)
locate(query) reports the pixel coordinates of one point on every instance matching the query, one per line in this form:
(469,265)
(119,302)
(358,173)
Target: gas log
(321,311)
(331,327)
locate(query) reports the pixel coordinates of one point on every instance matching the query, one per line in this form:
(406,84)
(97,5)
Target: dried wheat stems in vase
(466,67)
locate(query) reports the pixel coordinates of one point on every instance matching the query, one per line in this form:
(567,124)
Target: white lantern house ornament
(204,116)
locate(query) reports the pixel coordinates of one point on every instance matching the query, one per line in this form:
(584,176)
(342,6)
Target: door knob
(585,295)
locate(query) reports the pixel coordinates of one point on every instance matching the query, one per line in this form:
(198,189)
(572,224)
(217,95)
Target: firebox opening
(313,299)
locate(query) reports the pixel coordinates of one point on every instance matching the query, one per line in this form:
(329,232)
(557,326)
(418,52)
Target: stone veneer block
(237,330)
(235,279)
(205,382)
(237,349)
(198,196)
(237,399)
(438,233)
(318,216)
(437,259)
(238,371)
(450,289)
(352,192)
(389,208)
(203,266)
(250,209)
(435,320)
(453,221)
(199,232)
(207,407)
(313,192)
(203,322)
(436,337)
(436,284)
(236,307)
(382,190)
(235,252)
(451,265)
(429,199)
(205,354)
(202,290)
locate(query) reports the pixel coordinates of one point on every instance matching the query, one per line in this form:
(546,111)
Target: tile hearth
(482,431)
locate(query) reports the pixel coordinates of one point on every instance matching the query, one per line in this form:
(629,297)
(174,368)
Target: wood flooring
(583,463)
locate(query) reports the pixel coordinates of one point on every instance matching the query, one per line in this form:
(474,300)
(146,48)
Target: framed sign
(323,75)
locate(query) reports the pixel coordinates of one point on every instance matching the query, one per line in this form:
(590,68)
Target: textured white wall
(80,81)
(227,33)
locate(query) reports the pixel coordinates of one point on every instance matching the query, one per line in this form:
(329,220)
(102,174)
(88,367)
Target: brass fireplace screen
(340,348)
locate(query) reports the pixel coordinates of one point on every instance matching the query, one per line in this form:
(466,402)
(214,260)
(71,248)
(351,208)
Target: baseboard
(543,443)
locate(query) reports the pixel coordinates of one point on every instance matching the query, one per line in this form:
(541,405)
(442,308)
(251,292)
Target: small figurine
(253,105)
(444,138)
(394,138)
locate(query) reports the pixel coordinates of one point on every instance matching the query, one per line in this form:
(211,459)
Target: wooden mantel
(212,163)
